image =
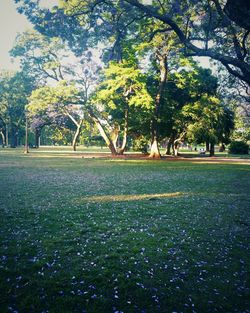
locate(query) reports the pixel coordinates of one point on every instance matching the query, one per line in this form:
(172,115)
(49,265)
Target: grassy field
(111,235)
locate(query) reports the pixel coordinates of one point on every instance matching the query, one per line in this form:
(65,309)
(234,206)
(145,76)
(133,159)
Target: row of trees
(145,86)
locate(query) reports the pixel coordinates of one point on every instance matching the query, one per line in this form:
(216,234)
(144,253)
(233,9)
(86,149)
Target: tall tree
(205,28)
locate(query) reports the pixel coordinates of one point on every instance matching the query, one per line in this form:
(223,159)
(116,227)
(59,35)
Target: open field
(115,235)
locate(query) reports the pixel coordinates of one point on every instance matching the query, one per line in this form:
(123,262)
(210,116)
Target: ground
(84,234)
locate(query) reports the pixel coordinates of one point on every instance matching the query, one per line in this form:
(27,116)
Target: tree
(123,88)
(205,28)
(210,122)
(61,99)
(40,56)
(15,88)
(189,88)
(45,60)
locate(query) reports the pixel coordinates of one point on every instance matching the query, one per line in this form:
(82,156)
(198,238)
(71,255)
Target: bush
(238,147)
(140,144)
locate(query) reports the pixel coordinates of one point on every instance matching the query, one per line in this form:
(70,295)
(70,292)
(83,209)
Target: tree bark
(13,137)
(125,133)
(211,149)
(7,136)
(155,151)
(103,132)
(105,136)
(114,135)
(3,138)
(26,150)
(175,147)
(37,137)
(76,135)
(169,145)
(207,146)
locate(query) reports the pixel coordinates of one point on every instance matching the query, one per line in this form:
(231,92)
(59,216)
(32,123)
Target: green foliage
(238,147)
(204,27)
(56,135)
(15,88)
(140,144)
(123,84)
(40,55)
(59,97)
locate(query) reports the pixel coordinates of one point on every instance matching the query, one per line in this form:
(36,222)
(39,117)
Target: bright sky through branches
(12,23)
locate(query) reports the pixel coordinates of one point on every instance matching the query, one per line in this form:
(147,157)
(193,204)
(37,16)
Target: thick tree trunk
(155,152)
(211,151)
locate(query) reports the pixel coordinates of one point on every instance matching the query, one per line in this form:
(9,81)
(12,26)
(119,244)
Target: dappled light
(131,197)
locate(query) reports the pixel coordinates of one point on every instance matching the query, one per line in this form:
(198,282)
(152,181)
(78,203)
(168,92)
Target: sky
(12,23)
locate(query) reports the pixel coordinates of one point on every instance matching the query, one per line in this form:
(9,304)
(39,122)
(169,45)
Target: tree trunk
(13,137)
(211,149)
(37,137)
(175,147)
(76,135)
(155,152)
(106,137)
(207,146)
(3,138)
(168,151)
(125,133)
(7,136)
(169,145)
(222,148)
(102,131)
(26,150)
(114,135)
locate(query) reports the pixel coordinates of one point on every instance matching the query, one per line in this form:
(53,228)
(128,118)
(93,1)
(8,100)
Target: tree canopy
(205,28)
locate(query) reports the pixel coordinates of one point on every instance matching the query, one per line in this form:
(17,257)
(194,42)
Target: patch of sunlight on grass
(61,155)
(123,198)
(236,161)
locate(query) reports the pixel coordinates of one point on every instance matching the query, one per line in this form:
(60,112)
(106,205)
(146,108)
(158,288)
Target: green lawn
(103,235)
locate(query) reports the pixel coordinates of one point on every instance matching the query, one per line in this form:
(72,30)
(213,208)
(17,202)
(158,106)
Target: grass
(103,235)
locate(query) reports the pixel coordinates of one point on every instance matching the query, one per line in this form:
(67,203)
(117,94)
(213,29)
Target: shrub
(140,144)
(238,147)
